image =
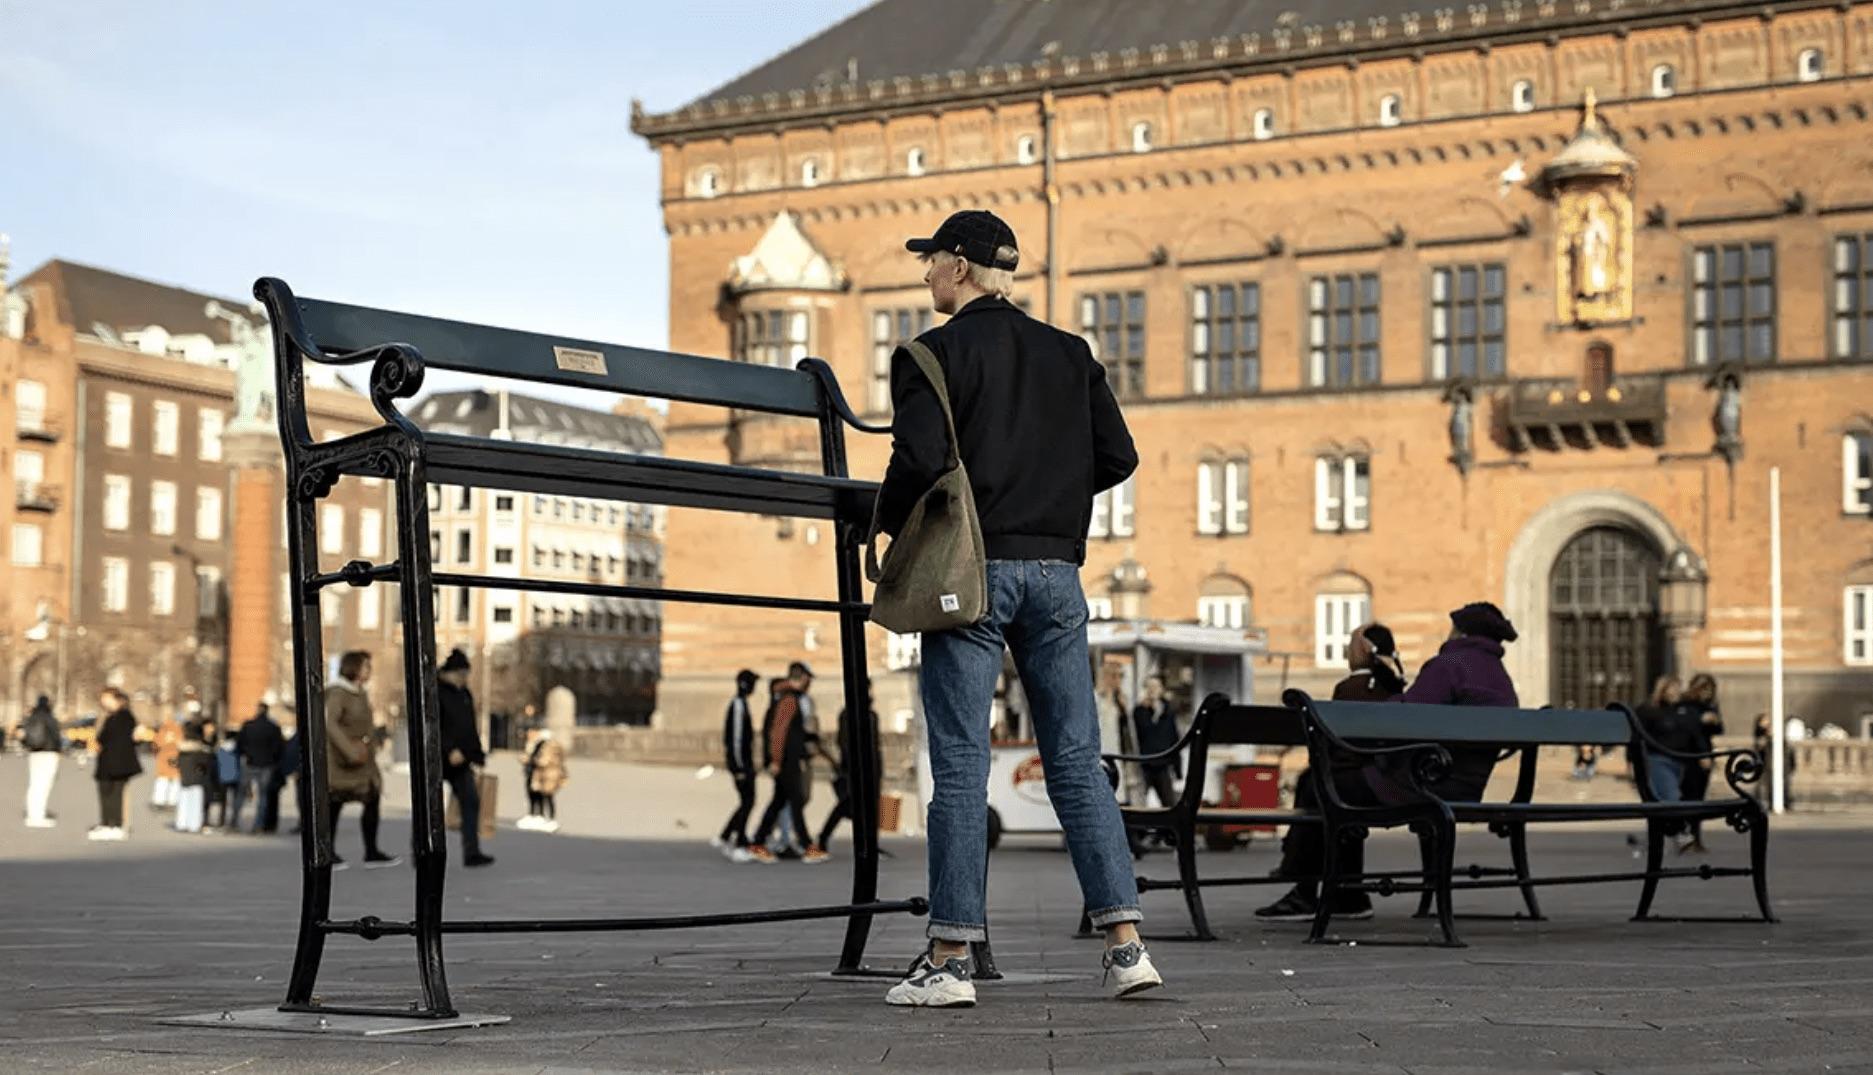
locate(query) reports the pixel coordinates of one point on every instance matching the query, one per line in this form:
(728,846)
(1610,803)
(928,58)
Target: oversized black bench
(1333,727)
(398,348)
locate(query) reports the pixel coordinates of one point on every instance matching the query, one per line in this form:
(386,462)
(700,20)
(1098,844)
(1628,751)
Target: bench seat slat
(570,471)
(1474,724)
(529,356)
(1477,813)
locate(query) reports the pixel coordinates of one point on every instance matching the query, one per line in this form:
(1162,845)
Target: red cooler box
(1245,787)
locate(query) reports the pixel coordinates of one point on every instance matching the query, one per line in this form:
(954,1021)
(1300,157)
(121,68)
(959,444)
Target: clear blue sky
(468,159)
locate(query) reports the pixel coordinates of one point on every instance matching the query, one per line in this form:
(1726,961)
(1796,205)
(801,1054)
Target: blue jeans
(1667,777)
(1037,610)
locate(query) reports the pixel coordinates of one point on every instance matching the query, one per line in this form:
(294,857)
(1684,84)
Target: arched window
(1264,124)
(914,161)
(1522,96)
(1027,149)
(706,183)
(1141,137)
(1342,602)
(1391,110)
(1223,601)
(1808,65)
(1664,80)
(809,172)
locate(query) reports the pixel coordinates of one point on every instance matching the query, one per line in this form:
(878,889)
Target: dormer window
(914,161)
(1141,137)
(1664,80)
(1263,126)
(708,183)
(809,172)
(1391,110)
(1808,66)
(1522,96)
(1027,150)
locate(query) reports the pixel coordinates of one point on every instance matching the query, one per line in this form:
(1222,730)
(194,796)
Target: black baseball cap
(975,235)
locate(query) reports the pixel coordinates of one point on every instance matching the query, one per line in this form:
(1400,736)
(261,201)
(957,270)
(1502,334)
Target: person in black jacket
(117,763)
(461,752)
(43,739)
(259,744)
(785,733)
(1156,721)
(1701,695)
(738,758)
(842,781)
(1039,432)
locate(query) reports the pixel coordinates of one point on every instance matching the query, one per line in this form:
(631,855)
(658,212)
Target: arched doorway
(1606,644)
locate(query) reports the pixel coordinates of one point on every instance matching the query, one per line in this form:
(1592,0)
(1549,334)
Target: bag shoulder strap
(933,372)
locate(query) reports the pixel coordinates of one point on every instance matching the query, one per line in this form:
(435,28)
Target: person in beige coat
(546,775)
(351,755)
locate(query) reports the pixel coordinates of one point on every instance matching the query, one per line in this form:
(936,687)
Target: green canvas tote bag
(935,574)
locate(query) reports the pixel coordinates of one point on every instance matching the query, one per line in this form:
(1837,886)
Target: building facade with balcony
(1406,306)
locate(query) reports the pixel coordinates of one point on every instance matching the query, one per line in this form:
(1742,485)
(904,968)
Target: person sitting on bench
(1467,670)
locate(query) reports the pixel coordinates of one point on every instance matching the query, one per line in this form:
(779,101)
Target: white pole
(1778,755)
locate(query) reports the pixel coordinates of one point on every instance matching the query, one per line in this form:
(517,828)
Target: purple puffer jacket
(1466,671)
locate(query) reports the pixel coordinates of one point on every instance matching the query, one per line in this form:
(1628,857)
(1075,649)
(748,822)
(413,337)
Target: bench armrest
(829,383)
(1741,765)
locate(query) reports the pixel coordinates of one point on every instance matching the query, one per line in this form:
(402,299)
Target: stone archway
(1526,573)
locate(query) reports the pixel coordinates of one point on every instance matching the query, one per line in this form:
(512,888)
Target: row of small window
(1389,111)
(367,602)
(557,507)
(1342,498)
(165,425)
(607,620)
(114,593)
(162,508)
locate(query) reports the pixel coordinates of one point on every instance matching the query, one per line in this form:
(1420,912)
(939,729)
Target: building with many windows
(1407,306)
(605,649)
(121,533)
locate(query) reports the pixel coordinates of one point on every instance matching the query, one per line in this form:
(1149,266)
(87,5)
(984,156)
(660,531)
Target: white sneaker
(1129,970)
(716,841)
(740,855)
(528,822)
(41,823)
(930,986)
(549,825)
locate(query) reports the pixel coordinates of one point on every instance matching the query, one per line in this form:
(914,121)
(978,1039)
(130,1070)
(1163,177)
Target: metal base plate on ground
(333,1024)
(1015,977)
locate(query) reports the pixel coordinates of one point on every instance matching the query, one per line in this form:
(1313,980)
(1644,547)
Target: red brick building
(1398,319)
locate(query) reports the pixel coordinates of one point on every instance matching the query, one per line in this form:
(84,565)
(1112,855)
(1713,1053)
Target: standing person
(1040,434)
(260,745)
(462,755)
(195,762)
(117,764)
(546,777)
(1702,695)
(738,758)
(292,759)
(1675,723)
(1156,721)
(166,789)
(1467,670)
(784,757)
(350,757)
(227,778)
(816,852)
(43,739)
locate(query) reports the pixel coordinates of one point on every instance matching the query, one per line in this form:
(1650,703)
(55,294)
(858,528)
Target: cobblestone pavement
(102,941)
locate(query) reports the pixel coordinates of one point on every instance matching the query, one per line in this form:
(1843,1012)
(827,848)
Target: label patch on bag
(950,602)
(578,360)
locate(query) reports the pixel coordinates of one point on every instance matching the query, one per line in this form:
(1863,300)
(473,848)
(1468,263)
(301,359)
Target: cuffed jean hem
(1113,916)
(955,932)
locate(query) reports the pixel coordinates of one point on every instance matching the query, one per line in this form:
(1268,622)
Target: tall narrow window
(1342,493)
(117,415)
(1522,96)
(29,399)
(889,330)
(163,508)
(1853,296)
(1858,625)
(1391,110)
(162,588)
(207,593)
(166,427)
(370,533)
(116,502)
(1225,338)
(464,545)
(1223,497)
(370,607)
(707,183)
(1263,125)
(208,513)
(116,595)
(1856,472)
(1733,303)
(1114,512)
(772,338)
(28,545)
(1141,137)
(914,161)
(1809,66)
(208,426)
(332,528)
(1027,150)
(1468,322)
(1343,330)
(1664,80)
(1114,325)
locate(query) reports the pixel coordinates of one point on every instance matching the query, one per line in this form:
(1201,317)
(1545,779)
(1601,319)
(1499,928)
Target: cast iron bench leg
(1444,836)
(1329,883)
(1654,861)
(1193,891)
(1759,861)
(1518,853)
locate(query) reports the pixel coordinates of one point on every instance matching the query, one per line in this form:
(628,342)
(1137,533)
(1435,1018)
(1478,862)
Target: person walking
(818,851)
(1040,434)
(195,764)
(227,779)
(43,739)
(1156,722)
(784,757)
(738,759)
(117,764)
(351,757)
(1467,670)
(166,789)
(546,777)
(259,745)
(1701,695)
(462,755)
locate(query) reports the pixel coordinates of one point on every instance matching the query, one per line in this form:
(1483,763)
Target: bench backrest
(1260,725)
(1475,724)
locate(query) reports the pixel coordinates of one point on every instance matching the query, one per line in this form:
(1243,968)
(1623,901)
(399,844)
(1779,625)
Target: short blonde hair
(997,282)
